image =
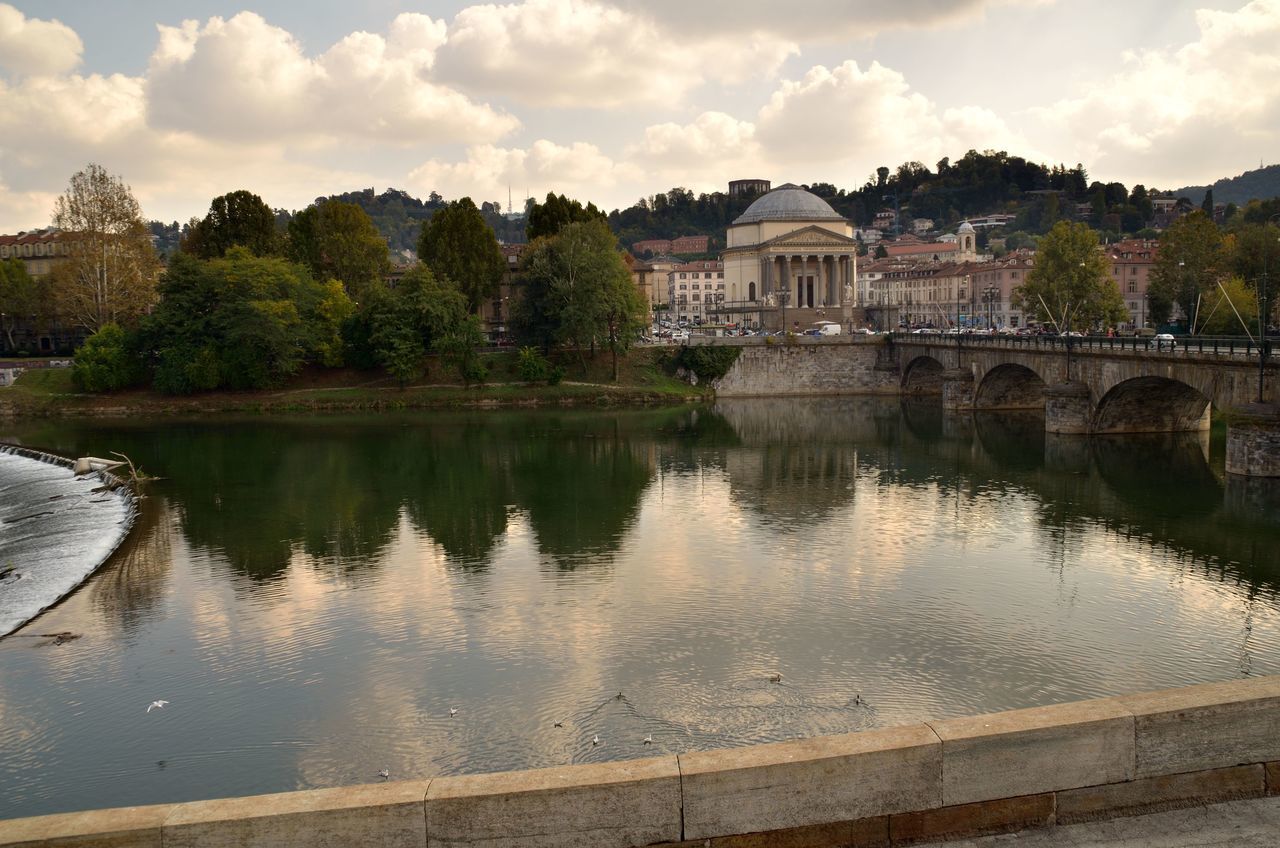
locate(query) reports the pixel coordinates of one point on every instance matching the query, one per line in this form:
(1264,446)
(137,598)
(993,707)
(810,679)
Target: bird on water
(595,740)
(452,712)
(385,774)
(156,705)
(648,740)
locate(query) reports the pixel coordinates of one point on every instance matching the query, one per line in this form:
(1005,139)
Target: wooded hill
(1258,184)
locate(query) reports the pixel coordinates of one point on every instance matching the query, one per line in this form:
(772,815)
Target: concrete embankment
(938,779)
(811,366)
(56,529)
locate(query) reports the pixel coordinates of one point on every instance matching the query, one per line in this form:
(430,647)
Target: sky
(614,100)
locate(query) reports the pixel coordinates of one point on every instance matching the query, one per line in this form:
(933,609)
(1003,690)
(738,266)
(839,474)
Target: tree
(460,348)
(338,240)
(1231,309)
(403,325)
(1070,285)
(106,361)
(458,245)
(1206,205)
(241,322)
(19,298)
(239,218)
(547,219)
(111,268)
(583,291)
(1191,260)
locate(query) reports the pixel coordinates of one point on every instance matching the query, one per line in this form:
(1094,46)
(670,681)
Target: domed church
(790,249)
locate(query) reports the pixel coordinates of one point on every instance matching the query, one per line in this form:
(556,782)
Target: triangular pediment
(811,236)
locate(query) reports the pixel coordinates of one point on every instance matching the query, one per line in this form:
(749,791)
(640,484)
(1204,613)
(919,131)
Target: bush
(531,366)
(707,361)
(106,362)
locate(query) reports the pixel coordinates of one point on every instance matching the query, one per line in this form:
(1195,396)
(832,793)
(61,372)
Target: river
(313,596)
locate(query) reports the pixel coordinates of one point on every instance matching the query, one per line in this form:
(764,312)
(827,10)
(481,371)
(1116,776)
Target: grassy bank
(644,378)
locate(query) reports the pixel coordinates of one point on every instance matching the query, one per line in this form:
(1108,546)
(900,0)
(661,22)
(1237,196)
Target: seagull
(775,678)
(857,700)
(385,774)
(452,712)
(595,740)
(648,740)
(156,705)
(619,695)
(558,724)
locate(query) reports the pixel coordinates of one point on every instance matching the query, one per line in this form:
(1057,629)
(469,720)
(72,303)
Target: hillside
(1258,184)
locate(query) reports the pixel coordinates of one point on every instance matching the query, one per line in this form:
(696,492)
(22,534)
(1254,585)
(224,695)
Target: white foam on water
(55,531)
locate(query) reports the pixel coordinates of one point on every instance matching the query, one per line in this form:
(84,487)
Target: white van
(827,328)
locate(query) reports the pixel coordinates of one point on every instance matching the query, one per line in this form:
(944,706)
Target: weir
(56,529)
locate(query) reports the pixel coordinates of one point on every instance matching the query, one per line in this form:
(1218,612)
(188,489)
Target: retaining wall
(934,780)
(811,366)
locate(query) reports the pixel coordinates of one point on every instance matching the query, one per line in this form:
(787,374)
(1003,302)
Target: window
(1013,275)
(720,286)
(697,297)
(683,275)
(1133,272)
(683,286)
(1133,286)
(695,287)
(720,275)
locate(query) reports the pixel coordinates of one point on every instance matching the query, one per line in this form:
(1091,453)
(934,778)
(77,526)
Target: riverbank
(643,381)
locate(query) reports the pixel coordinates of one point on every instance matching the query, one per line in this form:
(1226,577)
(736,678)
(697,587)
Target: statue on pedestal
(848,294)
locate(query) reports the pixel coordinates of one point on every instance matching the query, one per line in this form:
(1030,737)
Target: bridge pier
(1253,441)
(957,389)
(1068,409)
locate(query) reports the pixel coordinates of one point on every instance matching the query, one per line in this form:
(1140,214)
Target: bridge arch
(1151,405)
(922,376)
(1010,386)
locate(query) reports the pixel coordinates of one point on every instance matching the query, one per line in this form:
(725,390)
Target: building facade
(696,291)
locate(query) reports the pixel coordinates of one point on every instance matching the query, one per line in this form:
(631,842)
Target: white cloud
(32,46)
(244,79)
(1176,116)
(588,54)
(578,169)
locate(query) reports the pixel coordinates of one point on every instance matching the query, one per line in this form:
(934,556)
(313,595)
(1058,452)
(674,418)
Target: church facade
(790,249)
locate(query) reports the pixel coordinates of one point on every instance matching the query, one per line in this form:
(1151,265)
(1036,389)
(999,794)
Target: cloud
(578,169)
(815,20)
(244,79)
(1172,117)
(31,46)
(588,54)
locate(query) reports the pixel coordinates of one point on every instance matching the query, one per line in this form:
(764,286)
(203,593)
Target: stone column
(822,281)
(1253,441)
(786,280)
(957,389)
(1067,408)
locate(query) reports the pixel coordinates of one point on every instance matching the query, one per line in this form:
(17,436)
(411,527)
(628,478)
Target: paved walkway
(1237,824)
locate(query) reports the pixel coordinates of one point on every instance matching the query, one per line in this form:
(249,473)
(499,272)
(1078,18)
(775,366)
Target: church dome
(965,227)
(788,203)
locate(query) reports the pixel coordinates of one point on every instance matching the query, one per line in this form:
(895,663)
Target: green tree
(1230,309)
(19,299)
(548,218)
(1192,258)
(240,322)
(404,324)
(459,347)
(1255,251)
(239,218)
(110,273)
(338,240)
(1070,285)
(584,291)
(106,362)
(459,246)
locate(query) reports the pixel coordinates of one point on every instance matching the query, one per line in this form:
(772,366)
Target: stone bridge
(1097,389)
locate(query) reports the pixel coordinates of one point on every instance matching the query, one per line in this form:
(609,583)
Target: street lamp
(989,295)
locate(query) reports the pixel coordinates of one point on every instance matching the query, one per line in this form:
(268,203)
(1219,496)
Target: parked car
(1163,339)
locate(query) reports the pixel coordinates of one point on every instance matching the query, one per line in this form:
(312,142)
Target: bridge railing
(1217,345)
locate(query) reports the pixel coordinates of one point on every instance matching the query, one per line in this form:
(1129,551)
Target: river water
(313,596)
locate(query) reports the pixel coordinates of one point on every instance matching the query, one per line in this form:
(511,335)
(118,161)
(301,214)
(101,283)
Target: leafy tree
(19,298)
(458,245)
(1192,258)
(239,218)
(583,291)
(547,219)
(1232,309)
(241,322)
(106,362)
(1255,251)
(881,251)
(337,240)
(459,347)
(111,268)
(404,324)
(1206,205)
(1071,284)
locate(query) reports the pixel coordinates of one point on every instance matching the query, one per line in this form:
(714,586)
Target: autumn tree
(239,218)
(1070,285)
(458,245)
(337,240)
(111,268)
(1192,258)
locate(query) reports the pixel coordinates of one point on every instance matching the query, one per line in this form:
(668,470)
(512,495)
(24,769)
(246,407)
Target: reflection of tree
(581,487)
(128,588)
(790,486)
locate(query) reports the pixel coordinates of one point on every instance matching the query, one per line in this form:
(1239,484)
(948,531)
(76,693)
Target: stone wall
(834,365)
(933,780)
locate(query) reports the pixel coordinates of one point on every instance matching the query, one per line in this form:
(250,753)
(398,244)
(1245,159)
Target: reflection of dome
(789,203)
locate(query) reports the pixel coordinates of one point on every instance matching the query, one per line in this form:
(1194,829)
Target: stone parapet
(952,778)
(810,366)
(1253,441)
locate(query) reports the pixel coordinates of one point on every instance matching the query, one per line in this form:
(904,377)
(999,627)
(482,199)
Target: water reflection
(313,595)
